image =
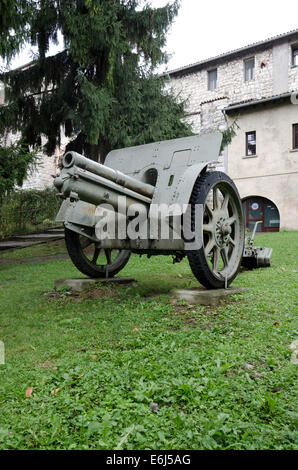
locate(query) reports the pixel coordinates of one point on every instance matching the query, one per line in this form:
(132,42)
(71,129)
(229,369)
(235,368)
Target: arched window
(257,208)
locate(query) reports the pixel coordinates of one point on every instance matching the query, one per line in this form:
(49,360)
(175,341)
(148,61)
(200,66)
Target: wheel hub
(217,263)
(222,232)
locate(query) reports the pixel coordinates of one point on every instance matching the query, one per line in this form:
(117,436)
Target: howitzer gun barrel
(71,159)
(85,180)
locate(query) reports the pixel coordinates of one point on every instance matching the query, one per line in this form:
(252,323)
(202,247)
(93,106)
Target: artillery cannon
(153,199)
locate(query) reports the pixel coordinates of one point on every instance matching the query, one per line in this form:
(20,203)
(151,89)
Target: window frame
(246,61)
(295,136)
(295,55)
(209,81)
(247,142)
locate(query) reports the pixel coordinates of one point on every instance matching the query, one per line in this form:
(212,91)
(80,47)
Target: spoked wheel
(217,262)
(90,259)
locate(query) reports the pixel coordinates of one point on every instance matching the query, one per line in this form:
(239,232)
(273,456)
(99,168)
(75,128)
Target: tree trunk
(103,151)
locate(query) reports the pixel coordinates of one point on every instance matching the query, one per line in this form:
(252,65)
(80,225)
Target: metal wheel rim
(111,255)
(222,232)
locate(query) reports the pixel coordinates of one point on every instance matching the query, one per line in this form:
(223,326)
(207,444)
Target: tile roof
(235,52)
(254,102)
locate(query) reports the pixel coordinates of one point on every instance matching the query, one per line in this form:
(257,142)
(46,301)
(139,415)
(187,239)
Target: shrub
(28,210)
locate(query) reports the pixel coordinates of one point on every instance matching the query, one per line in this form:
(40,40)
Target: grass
(126,368)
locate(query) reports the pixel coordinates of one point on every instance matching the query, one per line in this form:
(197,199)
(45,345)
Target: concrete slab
(294,348)
(35,259)
(7,245)
(80,284)
(39,236)
(202,296)
(23,241)
(55,230)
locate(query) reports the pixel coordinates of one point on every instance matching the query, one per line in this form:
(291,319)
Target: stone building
(255,86)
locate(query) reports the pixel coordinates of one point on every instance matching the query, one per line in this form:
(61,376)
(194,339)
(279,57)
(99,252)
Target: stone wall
(204,107)
(42,176)
(274,74)
(231,88)
(293,71)
(47,168)
(1,93)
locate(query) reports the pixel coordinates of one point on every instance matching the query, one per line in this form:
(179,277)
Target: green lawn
(221,376)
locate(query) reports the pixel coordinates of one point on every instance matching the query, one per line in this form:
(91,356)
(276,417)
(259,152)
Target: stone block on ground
(202,296)
(80,284)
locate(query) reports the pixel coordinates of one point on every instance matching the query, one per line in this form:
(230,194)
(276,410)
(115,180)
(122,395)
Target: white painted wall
(273,173)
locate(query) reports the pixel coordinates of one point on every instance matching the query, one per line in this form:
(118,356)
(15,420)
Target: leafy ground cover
(128,368)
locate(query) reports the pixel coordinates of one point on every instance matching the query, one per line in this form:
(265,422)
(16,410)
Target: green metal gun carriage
(170,174)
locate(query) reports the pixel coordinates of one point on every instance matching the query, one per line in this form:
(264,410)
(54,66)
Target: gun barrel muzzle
(75,159)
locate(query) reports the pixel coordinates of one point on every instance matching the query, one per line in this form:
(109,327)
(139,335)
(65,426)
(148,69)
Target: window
(295,56)
(251,144)
(295,136)
(249,67)
(212,79)
(260,209)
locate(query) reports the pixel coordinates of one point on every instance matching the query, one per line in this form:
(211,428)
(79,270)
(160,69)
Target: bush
(16,160)
(28,210)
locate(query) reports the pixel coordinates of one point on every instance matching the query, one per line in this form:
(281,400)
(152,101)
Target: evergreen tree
(15,159)
(101,88)
(14,18)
